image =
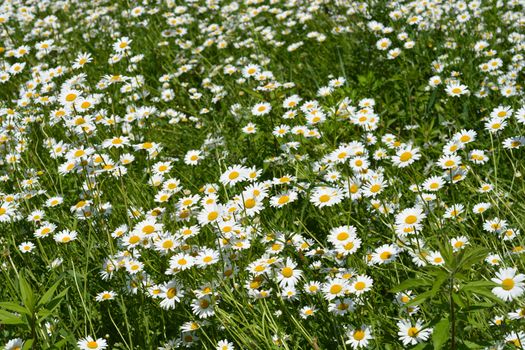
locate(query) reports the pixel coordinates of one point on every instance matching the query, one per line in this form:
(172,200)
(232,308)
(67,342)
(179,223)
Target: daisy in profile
(65,236)
(359,337)
(455,89)
(307,311)
(89,343)
(411,334)
(465,136)
(510,284)
(516,338)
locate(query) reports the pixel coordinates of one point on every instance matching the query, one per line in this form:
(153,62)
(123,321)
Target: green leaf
(472,256)
(441,333)
(27,293)
(47,295)
(14,307)
(472,345)
(477,285)
(420,298)
(28,344)
(446,252)
(440,279)
(56,300)
(9,318)
(457,299)
(488,294)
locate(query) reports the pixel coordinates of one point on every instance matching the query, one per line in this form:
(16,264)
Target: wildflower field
(262,174)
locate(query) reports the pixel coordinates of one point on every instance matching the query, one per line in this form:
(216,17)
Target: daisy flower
(287,274)
(335,288)
(234,174)
(283,199)
(385,254)
(411,334)
(89,343)
(105,295)
(193,157)
(14,344)
(262,108)
(224,345)
(406,156)
(361,284)
(510,284)
(326,196)
(171,293)
(456,89)
(26,247)
(307,311)
(359,337)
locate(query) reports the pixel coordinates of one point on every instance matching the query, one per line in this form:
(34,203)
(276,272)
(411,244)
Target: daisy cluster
(259,174)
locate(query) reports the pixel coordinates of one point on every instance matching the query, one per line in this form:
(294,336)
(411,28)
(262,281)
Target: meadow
(262,174)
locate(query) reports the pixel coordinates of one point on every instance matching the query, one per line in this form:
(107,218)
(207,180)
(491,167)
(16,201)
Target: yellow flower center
(71,97)
(287,272)
(385,255)
(410,219)
(360,285)
(324,198)
(171,293)
(412,332)
(249,203)
(507,284)
(359,335)
(405,156)
(283,199)
(148,229)
(167,244)
(336,289)
(375,188)
(343,236)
